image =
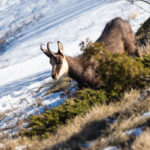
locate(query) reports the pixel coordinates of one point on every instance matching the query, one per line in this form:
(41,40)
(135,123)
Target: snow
(87,144)
(135,132)
(1,145)
(111,148)
(146,115)
(24,68)
(20,147)
(110,120)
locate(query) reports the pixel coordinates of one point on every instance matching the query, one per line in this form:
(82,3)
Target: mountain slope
(23,66)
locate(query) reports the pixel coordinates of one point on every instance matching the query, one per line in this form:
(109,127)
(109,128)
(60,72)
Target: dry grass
(143,44)
(142,142)
(59,85)
(56,85)
(126,115)
(72,135)
(65,133)
(128,118)
(133,15)
(145,49)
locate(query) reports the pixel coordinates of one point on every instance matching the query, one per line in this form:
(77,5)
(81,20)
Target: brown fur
(82,72)
(117,37)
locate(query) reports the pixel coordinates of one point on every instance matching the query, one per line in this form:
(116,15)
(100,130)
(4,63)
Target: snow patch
(111,148)
(87,144)
(135,132)
(146,115)
(1,145)
(20,147)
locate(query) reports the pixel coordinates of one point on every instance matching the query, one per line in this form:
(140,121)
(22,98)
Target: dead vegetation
(106,125)
(10,35)
(55,86)
(59,85)
(142,142)
(126,128)
(143,37)
(145,49)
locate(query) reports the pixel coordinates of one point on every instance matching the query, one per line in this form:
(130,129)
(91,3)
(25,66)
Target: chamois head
(57,60)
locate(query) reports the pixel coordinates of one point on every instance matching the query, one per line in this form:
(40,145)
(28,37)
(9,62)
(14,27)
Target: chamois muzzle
(54,76)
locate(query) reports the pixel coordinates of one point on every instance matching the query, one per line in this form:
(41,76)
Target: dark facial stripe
(56,69)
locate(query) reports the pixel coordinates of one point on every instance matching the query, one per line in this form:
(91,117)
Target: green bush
(45,124)
(145,61)
(119,72)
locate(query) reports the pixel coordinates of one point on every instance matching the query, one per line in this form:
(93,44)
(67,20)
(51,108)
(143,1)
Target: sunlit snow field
(24,68)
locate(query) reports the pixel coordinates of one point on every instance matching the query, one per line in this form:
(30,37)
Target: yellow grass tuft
(142,142)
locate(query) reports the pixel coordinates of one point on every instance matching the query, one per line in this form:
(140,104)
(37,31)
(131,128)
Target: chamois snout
(54,76)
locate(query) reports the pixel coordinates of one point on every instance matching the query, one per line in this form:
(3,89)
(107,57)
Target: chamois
(117,37)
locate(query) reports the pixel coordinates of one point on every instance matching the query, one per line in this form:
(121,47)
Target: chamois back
(118,37)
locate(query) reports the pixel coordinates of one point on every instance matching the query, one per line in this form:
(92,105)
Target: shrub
(119,72)
(45,124)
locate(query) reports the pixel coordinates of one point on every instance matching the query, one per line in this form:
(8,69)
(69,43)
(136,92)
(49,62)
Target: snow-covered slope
(23,66)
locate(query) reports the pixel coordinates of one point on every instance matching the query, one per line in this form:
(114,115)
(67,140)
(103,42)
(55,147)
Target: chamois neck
(76,64)
(76,68)
(82,72)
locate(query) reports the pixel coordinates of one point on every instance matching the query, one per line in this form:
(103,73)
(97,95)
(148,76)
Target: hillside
(25,84)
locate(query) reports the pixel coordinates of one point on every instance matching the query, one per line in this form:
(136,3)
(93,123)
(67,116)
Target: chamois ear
(60,48)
